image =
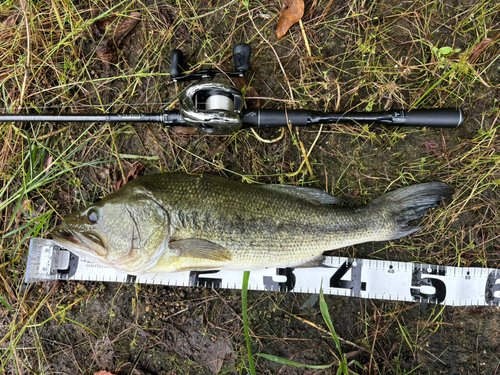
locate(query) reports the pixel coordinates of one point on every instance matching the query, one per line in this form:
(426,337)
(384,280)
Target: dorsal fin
(312,195)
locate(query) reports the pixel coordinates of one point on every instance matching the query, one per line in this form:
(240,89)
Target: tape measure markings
(362,278)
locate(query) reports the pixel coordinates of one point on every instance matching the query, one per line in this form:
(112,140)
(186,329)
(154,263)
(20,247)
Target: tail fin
(409,203)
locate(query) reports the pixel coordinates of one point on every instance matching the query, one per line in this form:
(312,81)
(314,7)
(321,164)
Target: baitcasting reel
(213,106)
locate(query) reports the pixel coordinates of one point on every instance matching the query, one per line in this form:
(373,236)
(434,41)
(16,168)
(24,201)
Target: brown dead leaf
(184,130)
(6,151)
(10,39)
(39,206)
(479,49)
(291,12)
(65,194)
(112,31)
(432,148)
(216,352)
(131,175)
(48,163)
(103,373)
(172,18)
(241,83)
(285,166)
(10,21)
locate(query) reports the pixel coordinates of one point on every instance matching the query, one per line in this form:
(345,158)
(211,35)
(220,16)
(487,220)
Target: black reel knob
(176,64)
(241,55)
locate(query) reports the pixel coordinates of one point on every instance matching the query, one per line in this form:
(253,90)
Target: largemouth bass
(177,222)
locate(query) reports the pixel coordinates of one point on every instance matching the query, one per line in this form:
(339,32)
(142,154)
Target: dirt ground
(364,56)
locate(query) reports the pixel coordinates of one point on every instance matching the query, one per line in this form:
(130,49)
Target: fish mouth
(96,239)
(68,236)
(87,242)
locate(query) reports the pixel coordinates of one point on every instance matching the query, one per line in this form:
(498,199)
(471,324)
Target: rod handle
(432,118)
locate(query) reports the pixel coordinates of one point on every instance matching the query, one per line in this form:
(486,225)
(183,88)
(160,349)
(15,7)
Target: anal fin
(317,261)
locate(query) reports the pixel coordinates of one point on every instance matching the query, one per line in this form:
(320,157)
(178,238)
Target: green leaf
(244,313)
(5,303)
(291,363)
(328,320)
(358,364)
(343,367)
(445,50)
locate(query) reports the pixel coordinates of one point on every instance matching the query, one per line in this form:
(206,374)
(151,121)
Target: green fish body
(177,222)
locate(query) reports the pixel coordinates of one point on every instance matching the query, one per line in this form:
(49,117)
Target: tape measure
(363,278)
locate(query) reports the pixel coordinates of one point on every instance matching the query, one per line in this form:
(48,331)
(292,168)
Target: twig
(268,140)
(45,136)
(308,154)
(28,53)
(116,153)
(275,53)
(305,38)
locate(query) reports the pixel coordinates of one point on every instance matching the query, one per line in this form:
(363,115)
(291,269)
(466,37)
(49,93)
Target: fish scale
(199,222)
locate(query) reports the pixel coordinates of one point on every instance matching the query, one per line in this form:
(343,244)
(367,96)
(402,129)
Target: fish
(174,222)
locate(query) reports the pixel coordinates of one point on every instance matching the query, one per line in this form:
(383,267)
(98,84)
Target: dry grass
(363,56)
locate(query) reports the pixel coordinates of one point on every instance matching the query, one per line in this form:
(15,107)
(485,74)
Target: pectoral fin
(201,249)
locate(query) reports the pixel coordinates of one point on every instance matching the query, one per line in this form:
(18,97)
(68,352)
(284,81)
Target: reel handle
(241,55)
(176,61)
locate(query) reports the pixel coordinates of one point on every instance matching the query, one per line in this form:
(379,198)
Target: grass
(244,316)
(341,359)
(363,56)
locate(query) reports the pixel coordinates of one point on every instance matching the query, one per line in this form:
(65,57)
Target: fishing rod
(214,106)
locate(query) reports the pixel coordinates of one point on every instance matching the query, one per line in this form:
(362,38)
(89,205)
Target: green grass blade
(328,320)
(244,313)
(6,304)
(291,363)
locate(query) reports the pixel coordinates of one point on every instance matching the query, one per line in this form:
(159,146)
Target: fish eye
(92,217)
